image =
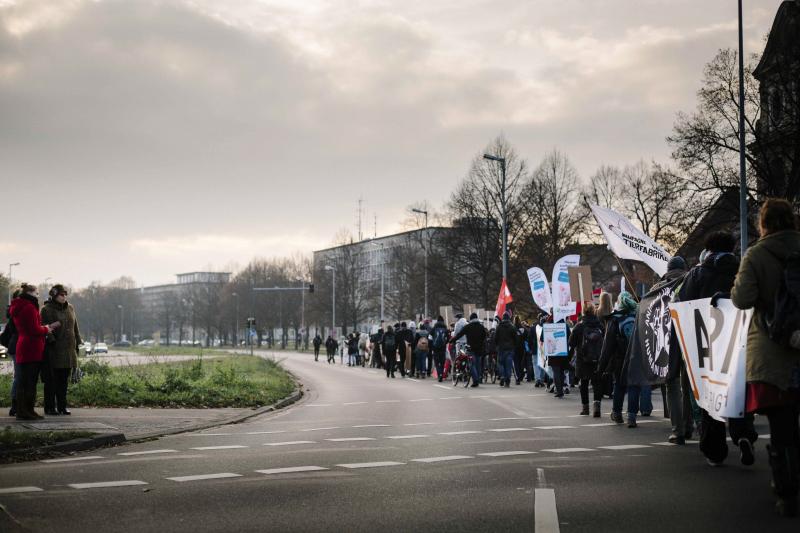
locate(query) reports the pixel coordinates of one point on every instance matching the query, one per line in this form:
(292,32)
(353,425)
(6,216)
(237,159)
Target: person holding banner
(773,370)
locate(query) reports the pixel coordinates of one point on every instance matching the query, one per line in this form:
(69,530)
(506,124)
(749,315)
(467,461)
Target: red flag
(503,299)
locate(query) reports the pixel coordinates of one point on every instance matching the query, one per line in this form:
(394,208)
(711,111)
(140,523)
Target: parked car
(87,348)
(146,342)
(100,347)
(123,344)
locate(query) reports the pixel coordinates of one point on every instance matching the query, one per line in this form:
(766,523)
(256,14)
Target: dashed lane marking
(373,426)
(19,490)
(319,405)
(462,421)
(624,447)
(72,459)
(105,484)
(407,436)
(421,424)
(370,465)
(387,401)
(223,475)
(263,432)
(290,443)
(350,439)
(442,459)
(504,430)
(291,470)
(599,425)
(459,432)
(554,427)
(422,400)
(568,450)
(321,429)
(663,444)
(504,454)
(506,418)
(546,514)
(354,403)
(451,398)
(443,387)
(229,447)
(148,452)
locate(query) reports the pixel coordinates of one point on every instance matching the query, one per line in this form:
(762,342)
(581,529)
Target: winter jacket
(10,334)
(460,324)
(505,337)
(61,348)
(389,353)
(715,274)
(475,334)
(583,369)
(439,326)
(30,332)
(612,356)
(317,341)
(755,286)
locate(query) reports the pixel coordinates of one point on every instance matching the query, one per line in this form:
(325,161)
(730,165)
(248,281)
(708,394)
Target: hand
(719,295)
(53,326)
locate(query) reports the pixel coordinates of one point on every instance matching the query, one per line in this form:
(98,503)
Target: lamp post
(425,212)
(121,321)
(383,273)
(742,160)
(302,307)
(236,332)
(333,275)
(503,214)
(10,266)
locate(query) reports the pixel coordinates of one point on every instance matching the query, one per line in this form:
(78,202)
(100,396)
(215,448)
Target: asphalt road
(363,453)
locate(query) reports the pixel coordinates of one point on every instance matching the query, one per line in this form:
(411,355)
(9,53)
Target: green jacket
(755,286)
(61,349)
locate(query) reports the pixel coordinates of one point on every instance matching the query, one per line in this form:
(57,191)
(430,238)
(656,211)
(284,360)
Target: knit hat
(676,263)
(626,302)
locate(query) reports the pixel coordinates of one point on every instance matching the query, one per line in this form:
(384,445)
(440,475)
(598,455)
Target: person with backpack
(475,334)
(389,349)
(519,350)
(421,351)
(714,275)
(439,339)
(317,343)
(619,332)
(585,346)
(331,345)
(768,280)
(505,339)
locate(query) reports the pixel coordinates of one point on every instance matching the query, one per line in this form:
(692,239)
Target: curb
(75,445)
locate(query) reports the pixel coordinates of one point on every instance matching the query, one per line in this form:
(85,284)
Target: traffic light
(310,287)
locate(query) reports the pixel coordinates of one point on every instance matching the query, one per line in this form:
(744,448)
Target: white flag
(540,288)
(563,306)
(627,241)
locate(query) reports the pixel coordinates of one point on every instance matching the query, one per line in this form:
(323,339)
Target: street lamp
(302,306)
(424,212)
(333,275)
(383,273)
(121,322)
(10,265)
(503,213)
(742,162)
(236,333)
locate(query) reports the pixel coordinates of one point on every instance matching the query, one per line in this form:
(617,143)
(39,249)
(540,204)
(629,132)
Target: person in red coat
(30,348)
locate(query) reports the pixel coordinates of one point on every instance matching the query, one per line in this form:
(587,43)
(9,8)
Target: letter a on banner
(503,299)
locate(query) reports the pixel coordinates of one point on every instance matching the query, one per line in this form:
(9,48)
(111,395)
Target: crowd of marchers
(602,345)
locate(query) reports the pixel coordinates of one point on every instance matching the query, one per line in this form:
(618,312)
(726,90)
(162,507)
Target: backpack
(625,330)
(439,338)
(591,344)
(422,344)
(783,324)
(388,343)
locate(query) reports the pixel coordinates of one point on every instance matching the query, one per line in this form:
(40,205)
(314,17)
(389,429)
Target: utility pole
(742,147)
(333,275)
(425,245)
(10,266)
(503,206)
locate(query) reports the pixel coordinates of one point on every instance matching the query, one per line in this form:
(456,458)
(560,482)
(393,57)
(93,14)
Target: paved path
(362,452)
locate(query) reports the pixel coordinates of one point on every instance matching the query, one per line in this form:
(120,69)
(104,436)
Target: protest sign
(555,340)
(540,289)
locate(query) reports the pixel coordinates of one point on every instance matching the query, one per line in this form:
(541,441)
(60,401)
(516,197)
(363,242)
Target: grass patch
(14,439)
(240,381)
(170,350)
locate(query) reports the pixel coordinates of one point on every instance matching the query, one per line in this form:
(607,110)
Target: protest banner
(563,305)
(580,279)
(626,241)
(540,289)
(555,340)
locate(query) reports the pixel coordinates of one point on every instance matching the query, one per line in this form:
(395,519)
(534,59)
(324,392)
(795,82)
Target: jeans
(439,357)
(14,383)
(619,394)
(475,362)
(539,373)
(505,358)
(597,388)
(558,365)
(519,365)
(390,362)
(639,398)
(316,353)
(421,359)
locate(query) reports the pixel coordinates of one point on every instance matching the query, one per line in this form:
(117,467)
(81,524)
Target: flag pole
(632,286)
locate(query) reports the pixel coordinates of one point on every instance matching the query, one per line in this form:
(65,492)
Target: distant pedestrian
(439,340)
(475,334)
(330,346)
(389,349)
(317,342)
(619,332)
(506,341)
(586,345)
(61,350)
(421,351)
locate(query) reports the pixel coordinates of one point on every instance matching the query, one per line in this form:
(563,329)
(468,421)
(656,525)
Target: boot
(596,409)
(785,464)
(22,413)
(585,410)
(30,399)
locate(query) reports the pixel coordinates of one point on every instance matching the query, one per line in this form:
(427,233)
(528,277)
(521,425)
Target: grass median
(240,381)
(15,439)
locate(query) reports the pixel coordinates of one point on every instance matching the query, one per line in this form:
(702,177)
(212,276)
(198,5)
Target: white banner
(563,306)
(627,241)
(540,289)
(555,340)
(713,341)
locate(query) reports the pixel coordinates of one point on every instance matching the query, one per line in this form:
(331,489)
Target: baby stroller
(462,370)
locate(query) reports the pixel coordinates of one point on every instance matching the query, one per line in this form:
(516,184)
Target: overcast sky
(149,138)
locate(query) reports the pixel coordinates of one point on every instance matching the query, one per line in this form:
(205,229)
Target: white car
(100,347)
(87,348)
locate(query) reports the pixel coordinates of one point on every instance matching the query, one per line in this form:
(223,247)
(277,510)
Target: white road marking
(413,379)
(19,490)
(349,439)
(407,436)
(291,470)
(440,459)
(370,465)
(541,417)
(181,479)
(421,424)
(443,387)
(506,418)
(651,421)
(321,429)
(387,401)
(487,396)
(319,405)
(461,421)
(503,454)
(624,447)
(231,447)
(569,450)
(554,427)
(103,484)
(663,444)
(290,443)
(71,459)
(354,403)
(263,432)
(451,398)
(373,426)
(148,452)
(459,432)
(503,430)
(546,514)
(422,400)
(599,425)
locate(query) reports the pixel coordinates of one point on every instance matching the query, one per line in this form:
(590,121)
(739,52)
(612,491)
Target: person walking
(330,346)
(585,346)
(389,349)
(29,349)
(506,341)
(475,334)
(519,350)
(421,351)
(619,332)
(61,349)
(9,339)
(773,369)
(604,311)
(375,343)
(317,342)
(439,340)
(352,349)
